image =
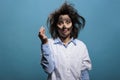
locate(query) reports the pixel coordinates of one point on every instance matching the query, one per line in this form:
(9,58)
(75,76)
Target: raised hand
(42,35)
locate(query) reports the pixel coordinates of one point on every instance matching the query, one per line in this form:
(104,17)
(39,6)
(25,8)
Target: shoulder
(50,40)
(80,43)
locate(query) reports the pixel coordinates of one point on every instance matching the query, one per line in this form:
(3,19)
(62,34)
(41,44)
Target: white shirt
(65,62)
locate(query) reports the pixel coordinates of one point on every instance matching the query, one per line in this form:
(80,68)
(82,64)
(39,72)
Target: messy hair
(78,21)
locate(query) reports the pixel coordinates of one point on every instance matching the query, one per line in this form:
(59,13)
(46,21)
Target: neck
(65,40)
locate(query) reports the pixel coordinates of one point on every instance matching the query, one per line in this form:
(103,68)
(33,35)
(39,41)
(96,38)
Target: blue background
(20,21)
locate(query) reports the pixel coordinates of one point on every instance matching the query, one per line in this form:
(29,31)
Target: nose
(64,24)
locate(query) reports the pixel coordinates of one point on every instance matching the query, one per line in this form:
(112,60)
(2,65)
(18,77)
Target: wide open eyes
(66,21)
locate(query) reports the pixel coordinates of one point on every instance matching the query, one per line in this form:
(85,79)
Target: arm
(86,66)
(46,60)
(85,75)
(86,62)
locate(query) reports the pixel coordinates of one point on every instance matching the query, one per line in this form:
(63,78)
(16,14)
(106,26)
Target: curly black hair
(78,22)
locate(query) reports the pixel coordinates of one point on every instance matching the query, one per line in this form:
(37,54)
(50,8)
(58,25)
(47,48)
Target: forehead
(64,17)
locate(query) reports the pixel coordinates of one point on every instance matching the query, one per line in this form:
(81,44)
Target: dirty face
(64,26)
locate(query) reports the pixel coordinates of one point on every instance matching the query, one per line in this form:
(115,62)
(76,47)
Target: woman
(64,57)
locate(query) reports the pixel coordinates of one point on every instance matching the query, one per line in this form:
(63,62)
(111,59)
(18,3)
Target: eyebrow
(64,19)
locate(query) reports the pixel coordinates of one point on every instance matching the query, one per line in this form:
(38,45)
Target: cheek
(69,25)
(70,29)
(59,26)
